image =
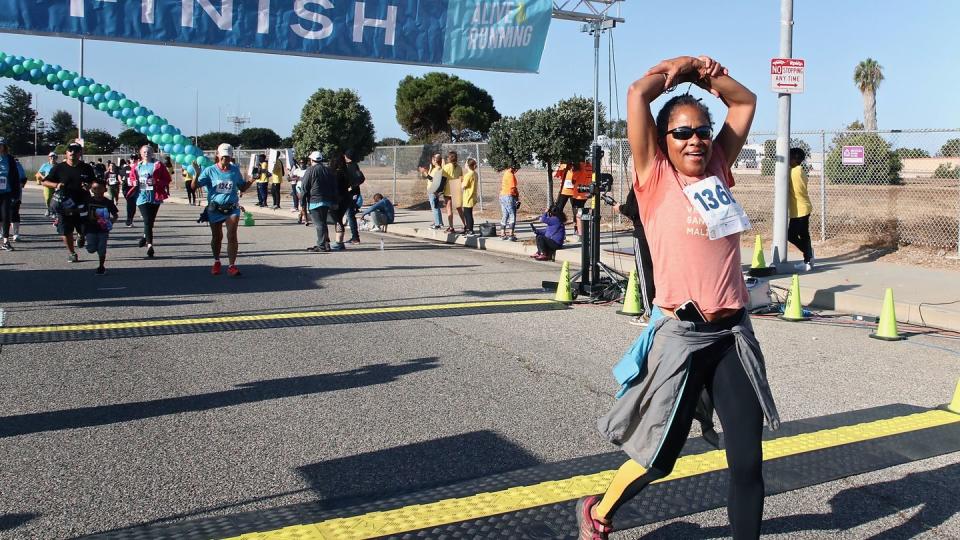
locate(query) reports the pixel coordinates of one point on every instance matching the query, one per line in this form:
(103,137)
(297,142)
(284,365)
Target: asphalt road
(117,432)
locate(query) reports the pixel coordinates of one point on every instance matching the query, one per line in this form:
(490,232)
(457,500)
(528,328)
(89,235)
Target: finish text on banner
(478,34)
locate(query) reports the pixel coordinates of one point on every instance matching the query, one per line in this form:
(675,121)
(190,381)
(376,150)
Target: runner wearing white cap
(224,183)
(42,173)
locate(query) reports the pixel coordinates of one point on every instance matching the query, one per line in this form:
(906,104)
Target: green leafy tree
(881,164)
(210,141)
(132,139)
(867,76)
(259,138)
(505,147)
(444,108)
(62,128)
(617,129)
(561,133)
(286,142)
(908,153)
(391,141)
(98,141)
(950,148)
(16,119)
(334,121)
(944,170)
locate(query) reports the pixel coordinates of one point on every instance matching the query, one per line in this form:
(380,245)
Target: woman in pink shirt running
(704,350)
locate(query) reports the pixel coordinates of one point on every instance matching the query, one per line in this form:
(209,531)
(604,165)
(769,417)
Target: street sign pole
(781,176)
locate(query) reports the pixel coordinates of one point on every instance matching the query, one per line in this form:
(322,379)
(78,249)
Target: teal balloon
(115,113)
(177,148)
(139,111)
(167,148)
(154,129)
(140,120)
(112,104)
(188,159)
(87,100)
(191,149)
(166,129)
(35,73)
(126,113)
(179,139)
(98,97)
(57,87)
(46,69)
(83,90)
(68,84)
(165,138)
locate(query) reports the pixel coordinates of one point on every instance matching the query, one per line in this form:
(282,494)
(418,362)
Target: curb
(920,314)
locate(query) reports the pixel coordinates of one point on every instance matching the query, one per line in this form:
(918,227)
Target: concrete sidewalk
(851,283)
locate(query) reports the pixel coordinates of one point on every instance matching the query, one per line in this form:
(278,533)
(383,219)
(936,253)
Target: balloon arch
(100,96)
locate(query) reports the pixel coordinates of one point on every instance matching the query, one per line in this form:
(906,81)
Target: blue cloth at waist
(633,361)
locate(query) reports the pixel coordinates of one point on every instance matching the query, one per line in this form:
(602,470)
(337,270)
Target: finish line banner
(477,34)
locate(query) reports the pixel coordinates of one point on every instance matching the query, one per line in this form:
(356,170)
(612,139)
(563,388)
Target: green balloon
(102,106)
(141,120)
(83,91)
(166,138)
(17,69)
(73,93)
(129,121)
(94,88)
(179,139)
(125,103)
(63,75)
(152,120)
(113,105)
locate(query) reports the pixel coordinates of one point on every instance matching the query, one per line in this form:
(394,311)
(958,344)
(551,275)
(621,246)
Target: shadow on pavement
(927,497)
(102,415)
(413,467)
(12,521)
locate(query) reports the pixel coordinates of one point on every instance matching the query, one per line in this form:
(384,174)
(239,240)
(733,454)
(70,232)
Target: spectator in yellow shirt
(469,196)
(453,173)
(509,202)
(276,178)
(798,232)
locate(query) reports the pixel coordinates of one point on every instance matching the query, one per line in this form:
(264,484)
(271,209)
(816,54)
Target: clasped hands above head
(698,70)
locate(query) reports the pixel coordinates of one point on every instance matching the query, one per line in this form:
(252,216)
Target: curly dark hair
(663,117)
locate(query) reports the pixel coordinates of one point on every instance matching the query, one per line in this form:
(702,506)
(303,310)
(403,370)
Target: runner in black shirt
(72,178)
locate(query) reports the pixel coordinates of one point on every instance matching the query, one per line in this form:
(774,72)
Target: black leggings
(798,233)
(132,206)
(468,218)
(718,369)
(149,214)
(547,246)
(275,193)
(6,214)
(191,193)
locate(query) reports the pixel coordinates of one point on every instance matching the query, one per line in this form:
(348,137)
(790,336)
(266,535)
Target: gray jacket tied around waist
(639,421)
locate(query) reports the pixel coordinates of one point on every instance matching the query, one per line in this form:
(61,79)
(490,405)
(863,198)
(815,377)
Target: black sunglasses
(683,133)
(74,149)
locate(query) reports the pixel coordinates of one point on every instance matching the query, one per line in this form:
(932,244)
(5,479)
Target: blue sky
(911,43)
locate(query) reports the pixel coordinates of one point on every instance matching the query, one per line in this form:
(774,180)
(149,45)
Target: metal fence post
(395,175)
(479,180)
(823,186)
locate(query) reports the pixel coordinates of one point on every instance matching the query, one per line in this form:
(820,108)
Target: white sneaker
(809,265)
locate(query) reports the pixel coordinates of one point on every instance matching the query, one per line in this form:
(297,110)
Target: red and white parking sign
(786,75)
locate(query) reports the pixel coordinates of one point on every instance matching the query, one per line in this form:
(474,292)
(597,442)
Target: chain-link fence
(892,187)
(880,188)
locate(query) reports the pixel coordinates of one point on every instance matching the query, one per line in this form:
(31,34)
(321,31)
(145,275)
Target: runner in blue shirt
(224,183)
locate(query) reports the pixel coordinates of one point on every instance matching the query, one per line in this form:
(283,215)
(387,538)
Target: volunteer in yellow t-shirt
(798,232)
(453,173)
(276,179)
(262,178)
(469,196)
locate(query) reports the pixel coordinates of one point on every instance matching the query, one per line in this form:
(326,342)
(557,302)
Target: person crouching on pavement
(550,239)
(381,212)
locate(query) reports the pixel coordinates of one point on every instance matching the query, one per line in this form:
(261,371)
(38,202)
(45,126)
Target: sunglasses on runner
(683,133)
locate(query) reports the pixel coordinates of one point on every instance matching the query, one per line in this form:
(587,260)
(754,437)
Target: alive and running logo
(499,25)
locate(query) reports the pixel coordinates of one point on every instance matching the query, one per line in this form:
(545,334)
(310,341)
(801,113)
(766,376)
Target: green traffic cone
(887,328)
(758,259)
(564,294)
(631,300)
(794,309)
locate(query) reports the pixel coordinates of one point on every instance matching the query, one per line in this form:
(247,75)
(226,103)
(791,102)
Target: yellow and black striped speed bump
(11,335)
(537,503)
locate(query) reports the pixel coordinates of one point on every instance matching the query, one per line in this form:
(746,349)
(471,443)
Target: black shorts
(337,213)
(69,224)
(577,203)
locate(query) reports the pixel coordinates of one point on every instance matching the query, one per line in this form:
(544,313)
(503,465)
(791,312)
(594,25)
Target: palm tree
(867,76)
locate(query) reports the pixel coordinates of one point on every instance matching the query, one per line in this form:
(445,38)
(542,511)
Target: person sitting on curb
(381,212)
(550,239)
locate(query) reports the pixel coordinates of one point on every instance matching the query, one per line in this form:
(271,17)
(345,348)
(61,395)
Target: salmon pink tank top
(687,265)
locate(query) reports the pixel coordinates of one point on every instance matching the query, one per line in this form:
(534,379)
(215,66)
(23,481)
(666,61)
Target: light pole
(781,176)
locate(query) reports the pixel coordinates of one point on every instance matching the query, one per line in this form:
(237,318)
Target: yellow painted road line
(265,317)
(481,505)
